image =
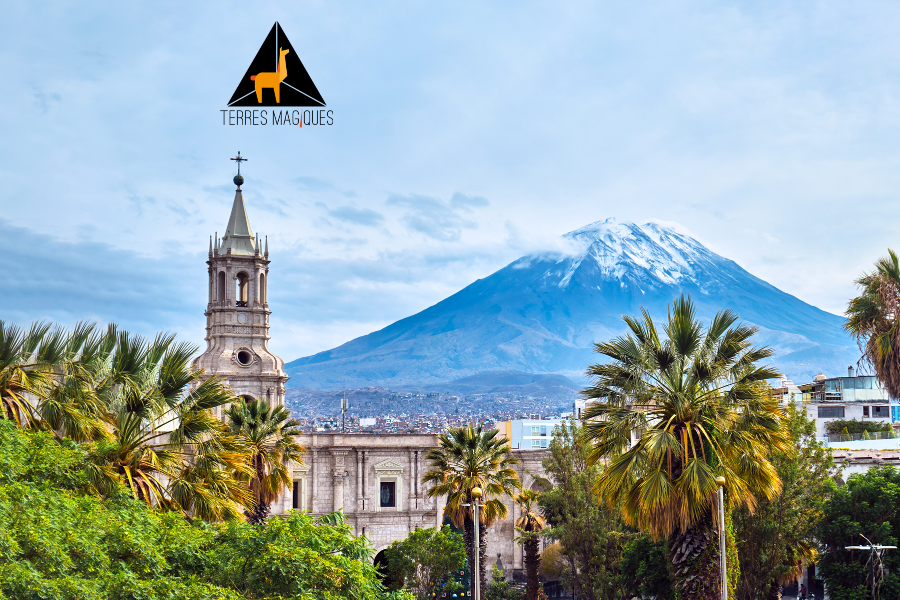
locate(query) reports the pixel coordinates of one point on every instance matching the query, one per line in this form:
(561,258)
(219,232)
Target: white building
(528,434)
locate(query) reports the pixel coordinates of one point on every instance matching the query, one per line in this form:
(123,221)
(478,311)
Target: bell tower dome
(237,315)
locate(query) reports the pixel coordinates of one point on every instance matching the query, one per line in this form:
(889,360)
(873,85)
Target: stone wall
(344,471)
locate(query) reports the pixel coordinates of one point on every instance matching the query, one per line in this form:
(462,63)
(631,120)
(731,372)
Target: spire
(267,246)
(238,238)
(210,245)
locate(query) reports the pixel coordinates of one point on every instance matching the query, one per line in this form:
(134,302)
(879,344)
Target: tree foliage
(645,569)
(60,541)
(698,400)
(872,318)
(867,508)
(591,536)
(427,560)
(776,540)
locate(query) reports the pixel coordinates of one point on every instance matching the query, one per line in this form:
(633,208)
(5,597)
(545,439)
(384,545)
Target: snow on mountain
(543,312)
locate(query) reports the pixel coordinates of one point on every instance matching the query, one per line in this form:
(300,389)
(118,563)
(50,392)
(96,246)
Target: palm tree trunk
(469,540)
(532,564)
(694,554)
(259,513)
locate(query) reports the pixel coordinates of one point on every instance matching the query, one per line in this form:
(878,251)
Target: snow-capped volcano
(543,312)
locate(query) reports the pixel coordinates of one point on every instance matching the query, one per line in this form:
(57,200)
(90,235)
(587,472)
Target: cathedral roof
(238,235)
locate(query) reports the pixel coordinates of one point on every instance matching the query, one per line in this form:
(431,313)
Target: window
(865,411)
(831,412)
(543,443)
(297,491)
(536,443)
(880,412)
(388,489)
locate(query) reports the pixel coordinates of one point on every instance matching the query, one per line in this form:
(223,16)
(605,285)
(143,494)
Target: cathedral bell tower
(237,315)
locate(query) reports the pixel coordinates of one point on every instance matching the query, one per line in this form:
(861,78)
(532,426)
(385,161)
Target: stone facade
(345,471)
(237,314)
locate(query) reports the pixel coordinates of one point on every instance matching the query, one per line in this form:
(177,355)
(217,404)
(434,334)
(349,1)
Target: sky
(464,135)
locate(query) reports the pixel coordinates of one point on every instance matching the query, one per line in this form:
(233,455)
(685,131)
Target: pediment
(388,466)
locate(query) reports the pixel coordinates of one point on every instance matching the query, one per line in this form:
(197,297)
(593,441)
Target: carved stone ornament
(388,468)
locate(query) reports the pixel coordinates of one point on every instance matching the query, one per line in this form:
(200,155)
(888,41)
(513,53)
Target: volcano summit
(542,313)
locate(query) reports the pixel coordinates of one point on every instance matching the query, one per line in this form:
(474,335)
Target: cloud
(358,216)
(435,218)
(43,99)
(71,281)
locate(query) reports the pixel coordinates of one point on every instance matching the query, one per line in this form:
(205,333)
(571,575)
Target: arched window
(262,288)
(242,289)
(220,295)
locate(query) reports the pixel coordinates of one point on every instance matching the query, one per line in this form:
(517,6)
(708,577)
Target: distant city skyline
(462,139)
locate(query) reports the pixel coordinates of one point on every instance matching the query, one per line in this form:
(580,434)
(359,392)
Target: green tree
(591,536)
(529,526)
(427,560)
(698,402)
(468,458)
(779,537)
(872,318)
(500,589)
(645,569)
(269,434)
(867,508)
(59,541)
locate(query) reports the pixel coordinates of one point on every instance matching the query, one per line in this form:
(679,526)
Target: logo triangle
(276,77)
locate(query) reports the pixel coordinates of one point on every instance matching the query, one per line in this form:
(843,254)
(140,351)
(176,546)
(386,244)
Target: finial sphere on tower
(238,180)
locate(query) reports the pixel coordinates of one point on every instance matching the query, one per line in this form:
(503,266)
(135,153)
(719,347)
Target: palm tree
(163,441)
(270,435)
(873,318)
(700,407)
(530,525)
(466,458)
(45,376)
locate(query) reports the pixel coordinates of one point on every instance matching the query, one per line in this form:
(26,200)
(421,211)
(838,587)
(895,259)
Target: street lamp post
(875,550)
(476,495)
(720,481)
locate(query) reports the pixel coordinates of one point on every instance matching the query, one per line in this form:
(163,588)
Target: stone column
(314,475)
(360,492)
(338,475)
(415,485)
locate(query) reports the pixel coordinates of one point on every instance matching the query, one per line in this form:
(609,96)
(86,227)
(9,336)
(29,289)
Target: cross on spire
(239,160)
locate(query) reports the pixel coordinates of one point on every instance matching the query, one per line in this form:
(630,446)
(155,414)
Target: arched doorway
(384,573)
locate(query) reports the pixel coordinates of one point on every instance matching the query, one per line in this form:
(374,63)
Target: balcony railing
(855,437)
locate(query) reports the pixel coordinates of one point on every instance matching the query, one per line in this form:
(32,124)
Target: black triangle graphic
(296,89)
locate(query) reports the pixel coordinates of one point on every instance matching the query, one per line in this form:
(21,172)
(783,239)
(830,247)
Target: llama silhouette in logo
(271,80)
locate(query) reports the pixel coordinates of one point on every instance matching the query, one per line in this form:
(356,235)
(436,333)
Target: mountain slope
(543,312)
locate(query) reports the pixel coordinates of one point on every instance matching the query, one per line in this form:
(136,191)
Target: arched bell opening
(262,288)
(242,289)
